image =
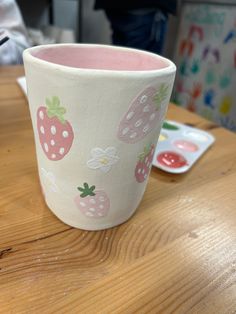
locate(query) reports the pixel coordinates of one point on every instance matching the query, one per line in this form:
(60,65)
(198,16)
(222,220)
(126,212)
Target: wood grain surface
(176,255)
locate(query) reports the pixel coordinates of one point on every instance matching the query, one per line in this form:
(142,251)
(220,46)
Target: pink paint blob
(186,146)
(171,159)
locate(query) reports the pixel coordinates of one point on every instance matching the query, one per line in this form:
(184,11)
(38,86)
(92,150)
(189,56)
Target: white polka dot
(146,108)
(143,99)
(65,134)
(138,123)
(102,198)
(61,150)
(133,135)
(53,156)
(146,128)
(89,214)
(41,114)
(152,116)
(130,115)
(52,142)
(82,204)
(42,129)
(45,146)
(101,206)
(53,129)
(126,130)
(92,209)
(92,201)
(139,170)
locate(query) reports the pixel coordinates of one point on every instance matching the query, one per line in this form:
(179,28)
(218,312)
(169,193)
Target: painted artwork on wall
(206,62)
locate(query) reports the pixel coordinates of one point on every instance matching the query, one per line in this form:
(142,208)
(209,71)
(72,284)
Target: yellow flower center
(104,161)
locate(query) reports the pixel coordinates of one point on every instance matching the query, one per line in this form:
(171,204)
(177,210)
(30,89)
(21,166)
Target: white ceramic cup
(96,112)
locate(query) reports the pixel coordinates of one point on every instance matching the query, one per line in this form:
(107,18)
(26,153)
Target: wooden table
(176,255)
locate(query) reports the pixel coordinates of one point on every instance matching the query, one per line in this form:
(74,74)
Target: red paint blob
(186,146)
(171,159)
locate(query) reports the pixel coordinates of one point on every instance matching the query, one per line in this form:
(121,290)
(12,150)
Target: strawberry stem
(160,95)
(86,190)
(145,152)
(55,110)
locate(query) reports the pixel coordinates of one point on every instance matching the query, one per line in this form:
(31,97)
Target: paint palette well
(180,146)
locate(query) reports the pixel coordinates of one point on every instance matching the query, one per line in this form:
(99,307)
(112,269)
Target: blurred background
(79,17)
(199,36)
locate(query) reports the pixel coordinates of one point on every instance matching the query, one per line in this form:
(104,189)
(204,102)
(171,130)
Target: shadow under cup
(96,112)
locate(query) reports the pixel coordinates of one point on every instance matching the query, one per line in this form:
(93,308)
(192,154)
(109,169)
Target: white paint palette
(180,146)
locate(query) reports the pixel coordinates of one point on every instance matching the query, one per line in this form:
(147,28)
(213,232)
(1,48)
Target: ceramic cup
(96,112)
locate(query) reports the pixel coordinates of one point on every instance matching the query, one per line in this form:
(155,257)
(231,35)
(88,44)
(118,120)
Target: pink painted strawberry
(92,203)
(144,163)
(55,133)
(142,115)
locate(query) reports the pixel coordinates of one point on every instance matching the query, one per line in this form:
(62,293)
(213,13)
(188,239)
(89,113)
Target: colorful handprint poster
(206,62)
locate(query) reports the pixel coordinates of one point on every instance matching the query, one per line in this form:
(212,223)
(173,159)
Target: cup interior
(100,57)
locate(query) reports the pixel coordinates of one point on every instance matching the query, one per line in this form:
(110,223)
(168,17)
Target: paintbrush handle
(3,40)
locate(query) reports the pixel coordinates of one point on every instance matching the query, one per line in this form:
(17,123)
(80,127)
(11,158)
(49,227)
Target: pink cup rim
(28,56)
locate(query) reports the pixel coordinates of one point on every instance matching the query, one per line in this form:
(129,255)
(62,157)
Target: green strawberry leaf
(55,110)
(56,101)
(161,95)
(80,189)
(145,152)
(84,194)
(86,190)
(48,102)
(92,188)
(86,185)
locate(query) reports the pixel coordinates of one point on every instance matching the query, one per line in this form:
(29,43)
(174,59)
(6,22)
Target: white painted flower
(103,159)
(49,180)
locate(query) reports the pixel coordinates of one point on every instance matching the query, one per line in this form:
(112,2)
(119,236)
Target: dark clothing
(139,24)
(167,6)
(141,31)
